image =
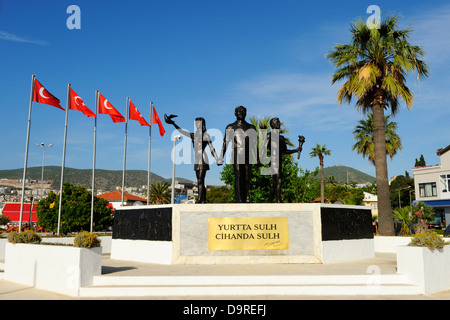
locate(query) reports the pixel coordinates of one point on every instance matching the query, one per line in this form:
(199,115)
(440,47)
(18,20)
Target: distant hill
(104,179)
(340,174)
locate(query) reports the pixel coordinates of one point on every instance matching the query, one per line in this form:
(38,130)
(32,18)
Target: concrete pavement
(385,264)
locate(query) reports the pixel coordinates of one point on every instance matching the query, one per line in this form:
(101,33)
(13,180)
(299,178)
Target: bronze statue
(200,139)
(277,148)
(243,136)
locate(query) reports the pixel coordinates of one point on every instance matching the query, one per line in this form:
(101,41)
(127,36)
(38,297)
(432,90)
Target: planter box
(105,244)
(3,243)
(430,270)
(60,269)
(390,244)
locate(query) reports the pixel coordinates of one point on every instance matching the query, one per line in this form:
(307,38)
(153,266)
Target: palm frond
(377,57)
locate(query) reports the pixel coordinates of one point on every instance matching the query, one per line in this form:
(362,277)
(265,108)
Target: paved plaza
(385,262)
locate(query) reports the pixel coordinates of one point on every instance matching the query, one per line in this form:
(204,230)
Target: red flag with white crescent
(105,107)
(158,121)
(136,115)
(41,95)
(76,103)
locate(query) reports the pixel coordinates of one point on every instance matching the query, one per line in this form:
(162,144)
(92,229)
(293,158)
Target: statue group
(243,137)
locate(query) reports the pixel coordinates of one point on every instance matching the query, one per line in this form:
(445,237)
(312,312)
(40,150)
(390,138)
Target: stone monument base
(242,233)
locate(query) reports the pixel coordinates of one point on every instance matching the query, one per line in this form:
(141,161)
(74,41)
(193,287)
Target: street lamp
(399,201)
(410,201)
(172,198)
(43,146)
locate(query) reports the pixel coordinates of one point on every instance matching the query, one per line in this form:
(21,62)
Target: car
(435,224)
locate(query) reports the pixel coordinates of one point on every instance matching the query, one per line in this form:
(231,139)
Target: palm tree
(363,135)
(320,151)
(375,65)
(160,193)
(262,126)
(404,217)
(263,123)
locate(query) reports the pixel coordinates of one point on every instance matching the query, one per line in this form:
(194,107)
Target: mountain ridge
(104,179)
(108,179)
(347,174)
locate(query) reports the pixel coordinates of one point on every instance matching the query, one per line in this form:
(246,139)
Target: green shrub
(431,240)
(13,237)
(28,236)
(85,239)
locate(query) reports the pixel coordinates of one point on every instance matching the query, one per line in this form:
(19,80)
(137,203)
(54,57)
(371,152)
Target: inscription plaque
(248,233)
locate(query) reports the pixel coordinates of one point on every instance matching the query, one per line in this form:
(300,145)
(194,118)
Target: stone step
(248,280)
(116,286)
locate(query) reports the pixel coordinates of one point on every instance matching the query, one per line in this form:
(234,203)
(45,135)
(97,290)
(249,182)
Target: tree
(160,193)
(75,211)
(4,220)
(346,195)
(320,151)
(363,135)
(422,215)
(421,162)
(403,216)
(262,126)
(375,64)
(307,185)
(400,191)
(220,194)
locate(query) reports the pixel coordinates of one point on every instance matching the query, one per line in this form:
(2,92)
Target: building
(371,200)
(432,185)
(115,198)
(12,211)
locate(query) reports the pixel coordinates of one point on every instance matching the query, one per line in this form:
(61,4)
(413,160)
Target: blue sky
(203,58)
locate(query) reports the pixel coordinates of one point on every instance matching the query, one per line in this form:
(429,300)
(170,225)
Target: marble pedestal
(242,233)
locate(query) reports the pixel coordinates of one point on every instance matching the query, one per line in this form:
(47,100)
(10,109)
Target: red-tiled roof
(117,196)
(12,211)
(326,198)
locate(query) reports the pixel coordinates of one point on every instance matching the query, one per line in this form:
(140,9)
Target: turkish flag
(104,107)
(136,115)
(155,119)
(76,103)
(41,95)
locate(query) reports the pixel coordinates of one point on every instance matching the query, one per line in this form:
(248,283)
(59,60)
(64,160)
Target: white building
(432,184)
(371,200)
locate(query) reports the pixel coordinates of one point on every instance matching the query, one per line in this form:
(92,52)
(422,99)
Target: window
(428,189)
(445,182)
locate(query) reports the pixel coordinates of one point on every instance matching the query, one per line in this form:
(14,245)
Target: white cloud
(12,37)
(306,100)
(431,32)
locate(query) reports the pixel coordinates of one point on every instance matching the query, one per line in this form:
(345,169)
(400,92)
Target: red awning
(12,211)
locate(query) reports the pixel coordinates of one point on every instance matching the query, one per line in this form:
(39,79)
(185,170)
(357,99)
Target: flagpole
(149,153)
(63,160)
(125,150)
(26,152)
(93,160)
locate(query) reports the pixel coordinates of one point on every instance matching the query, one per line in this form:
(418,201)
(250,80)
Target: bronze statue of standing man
(243,137)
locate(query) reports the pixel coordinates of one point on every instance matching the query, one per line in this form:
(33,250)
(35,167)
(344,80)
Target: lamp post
(410,201)
(172,198)
(43,146)
(399,201)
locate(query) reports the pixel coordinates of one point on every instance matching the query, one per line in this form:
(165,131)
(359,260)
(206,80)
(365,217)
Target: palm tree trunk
(385,218)
(322,178)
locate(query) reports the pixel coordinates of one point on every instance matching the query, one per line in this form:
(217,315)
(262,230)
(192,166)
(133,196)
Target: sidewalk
(385,264)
